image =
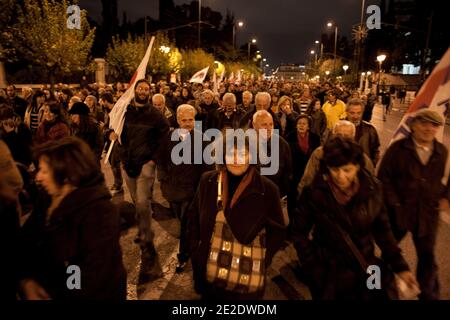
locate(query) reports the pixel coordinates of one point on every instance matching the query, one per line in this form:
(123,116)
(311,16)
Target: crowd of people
(326,196)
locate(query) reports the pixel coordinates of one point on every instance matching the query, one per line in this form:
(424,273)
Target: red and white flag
(200,76)
(117,114)
(434,94)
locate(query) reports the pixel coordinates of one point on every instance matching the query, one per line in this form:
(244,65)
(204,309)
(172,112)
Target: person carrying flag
(143,129)
(411,172)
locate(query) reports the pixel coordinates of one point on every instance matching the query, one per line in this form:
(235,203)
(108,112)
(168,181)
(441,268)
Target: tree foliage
(195,60)
(41,35)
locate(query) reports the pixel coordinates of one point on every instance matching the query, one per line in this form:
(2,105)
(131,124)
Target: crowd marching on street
(334,196)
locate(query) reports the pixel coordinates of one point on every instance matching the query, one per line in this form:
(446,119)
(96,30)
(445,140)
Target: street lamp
(329,25)
(248,45)
(327,73)
(345,67)
(380,60)
(240,24)
(366,87)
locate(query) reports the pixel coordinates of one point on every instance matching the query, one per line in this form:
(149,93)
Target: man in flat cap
(411,172)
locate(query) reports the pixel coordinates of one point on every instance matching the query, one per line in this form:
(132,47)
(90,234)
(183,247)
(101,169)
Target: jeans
(141,189)
(114,161)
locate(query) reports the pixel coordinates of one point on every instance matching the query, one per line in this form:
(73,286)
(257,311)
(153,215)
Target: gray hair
(355,102)
(344,123)
(261,113)
(263,94)
(247,92)
(159,95)
(208,91)
(185,108)
(229,96)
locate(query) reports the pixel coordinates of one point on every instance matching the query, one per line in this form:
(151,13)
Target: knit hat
(79,108)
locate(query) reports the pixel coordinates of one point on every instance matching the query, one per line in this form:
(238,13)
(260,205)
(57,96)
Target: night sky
(285,29)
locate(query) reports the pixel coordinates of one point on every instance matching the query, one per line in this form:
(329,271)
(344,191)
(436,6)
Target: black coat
(180,181)
(258,207)
(412,190)
(328,264)
(300,159)
(283,177)
(93,136)
(142,133)
(84,231)
(19,142)
(219,120)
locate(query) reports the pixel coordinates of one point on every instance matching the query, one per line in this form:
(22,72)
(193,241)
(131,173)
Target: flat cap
(428,115)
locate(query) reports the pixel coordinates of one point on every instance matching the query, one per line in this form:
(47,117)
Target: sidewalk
(403,107)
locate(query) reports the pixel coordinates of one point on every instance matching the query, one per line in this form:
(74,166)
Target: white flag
(231,78)
(200,76)
(222,76)
(434,94)
(238,78)
(117,114)
(215,83)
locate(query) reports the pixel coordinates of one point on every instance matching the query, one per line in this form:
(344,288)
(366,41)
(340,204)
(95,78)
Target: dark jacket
(19,105)
(412,190)
(258,207)
(93,136)
(290,123)
(318,122)
(328,263)
(283,177)
(19,142)
(142,133)
(180,181)
(219,120)
(300,159)
(367,137)
(51,131)
(84,231)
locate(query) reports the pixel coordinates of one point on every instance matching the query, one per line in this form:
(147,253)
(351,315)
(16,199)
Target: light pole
(199,21)
(380,60)
(361,81)
(248,45)
(366,87)
(240,24)
(335,42)
(345,67)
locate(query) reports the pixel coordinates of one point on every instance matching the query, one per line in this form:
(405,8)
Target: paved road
(282,282)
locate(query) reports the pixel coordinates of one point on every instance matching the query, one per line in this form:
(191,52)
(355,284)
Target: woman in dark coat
(318,124)
(54,126)
(80,227)
(302,142)
(86,127)
(344,205)
(250,205)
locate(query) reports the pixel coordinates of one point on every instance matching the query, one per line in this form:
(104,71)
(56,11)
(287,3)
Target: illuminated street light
(330,24)
(248,45)
(380,60)
(313,52)
(240,24)
(327,72)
